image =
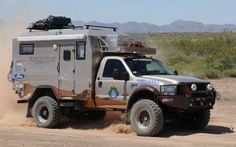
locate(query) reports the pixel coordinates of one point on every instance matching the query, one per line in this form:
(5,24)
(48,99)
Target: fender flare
(32,97)
(44,87)
(143,88)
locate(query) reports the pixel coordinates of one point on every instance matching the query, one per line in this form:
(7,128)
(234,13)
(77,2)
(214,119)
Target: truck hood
(173,79)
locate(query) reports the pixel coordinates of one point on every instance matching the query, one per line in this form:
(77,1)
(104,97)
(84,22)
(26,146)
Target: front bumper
(188,100)
(184,103)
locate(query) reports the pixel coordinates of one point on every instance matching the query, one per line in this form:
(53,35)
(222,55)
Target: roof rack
(60,22)
(106,27)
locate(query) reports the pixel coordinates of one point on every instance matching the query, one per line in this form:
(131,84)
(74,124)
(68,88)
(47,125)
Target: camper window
(26,49)
(80,50)
(67,55)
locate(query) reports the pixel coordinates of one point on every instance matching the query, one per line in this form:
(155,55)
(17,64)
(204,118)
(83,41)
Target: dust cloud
(117,123)
(10,112)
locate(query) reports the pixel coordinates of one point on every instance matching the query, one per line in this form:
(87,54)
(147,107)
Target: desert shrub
(210,55)
(230,73)
(212,74)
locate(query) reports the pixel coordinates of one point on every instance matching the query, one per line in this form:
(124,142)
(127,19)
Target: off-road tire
(197,120)
(46,112)
(149,111)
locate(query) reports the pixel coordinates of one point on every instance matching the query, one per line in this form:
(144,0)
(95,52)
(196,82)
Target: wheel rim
(42,113)
(143,118)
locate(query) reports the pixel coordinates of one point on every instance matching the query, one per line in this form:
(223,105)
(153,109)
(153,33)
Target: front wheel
(146,118)
(46,112)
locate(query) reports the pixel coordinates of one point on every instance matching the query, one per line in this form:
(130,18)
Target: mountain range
(176,26)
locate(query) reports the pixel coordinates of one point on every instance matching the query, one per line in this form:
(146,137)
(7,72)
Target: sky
(157,12)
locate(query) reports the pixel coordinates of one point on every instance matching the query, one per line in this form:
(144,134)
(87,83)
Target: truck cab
(95,69)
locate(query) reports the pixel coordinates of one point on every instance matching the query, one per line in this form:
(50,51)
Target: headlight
(168,90)
(210,87)
(194,87)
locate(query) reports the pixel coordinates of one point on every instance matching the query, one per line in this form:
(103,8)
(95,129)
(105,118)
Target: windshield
(145,66)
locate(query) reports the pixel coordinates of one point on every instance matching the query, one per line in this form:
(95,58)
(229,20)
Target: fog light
(210,87)
(194,87)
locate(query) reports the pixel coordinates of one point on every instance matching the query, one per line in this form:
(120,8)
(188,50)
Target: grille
(180,90)
(200,86)
(199,95)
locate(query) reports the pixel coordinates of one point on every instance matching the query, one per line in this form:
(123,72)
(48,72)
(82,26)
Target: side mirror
(176,72)
(118,75)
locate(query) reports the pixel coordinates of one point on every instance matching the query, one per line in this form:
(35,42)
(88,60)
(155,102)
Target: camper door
(67,70)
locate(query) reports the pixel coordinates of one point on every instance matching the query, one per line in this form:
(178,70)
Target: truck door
(109,88)
(66,70)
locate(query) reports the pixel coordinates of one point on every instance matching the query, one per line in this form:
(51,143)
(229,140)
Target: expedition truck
(95,69)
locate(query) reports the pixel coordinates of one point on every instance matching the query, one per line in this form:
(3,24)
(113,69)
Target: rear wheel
(196,120)
(146,118)
(46,112)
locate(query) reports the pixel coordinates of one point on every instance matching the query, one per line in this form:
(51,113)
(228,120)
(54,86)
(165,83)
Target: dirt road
(17,131)
(220,132)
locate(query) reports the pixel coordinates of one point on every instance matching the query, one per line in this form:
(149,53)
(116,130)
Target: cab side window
(111,65)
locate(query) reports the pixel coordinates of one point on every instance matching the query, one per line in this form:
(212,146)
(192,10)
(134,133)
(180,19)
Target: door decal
(113,92)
